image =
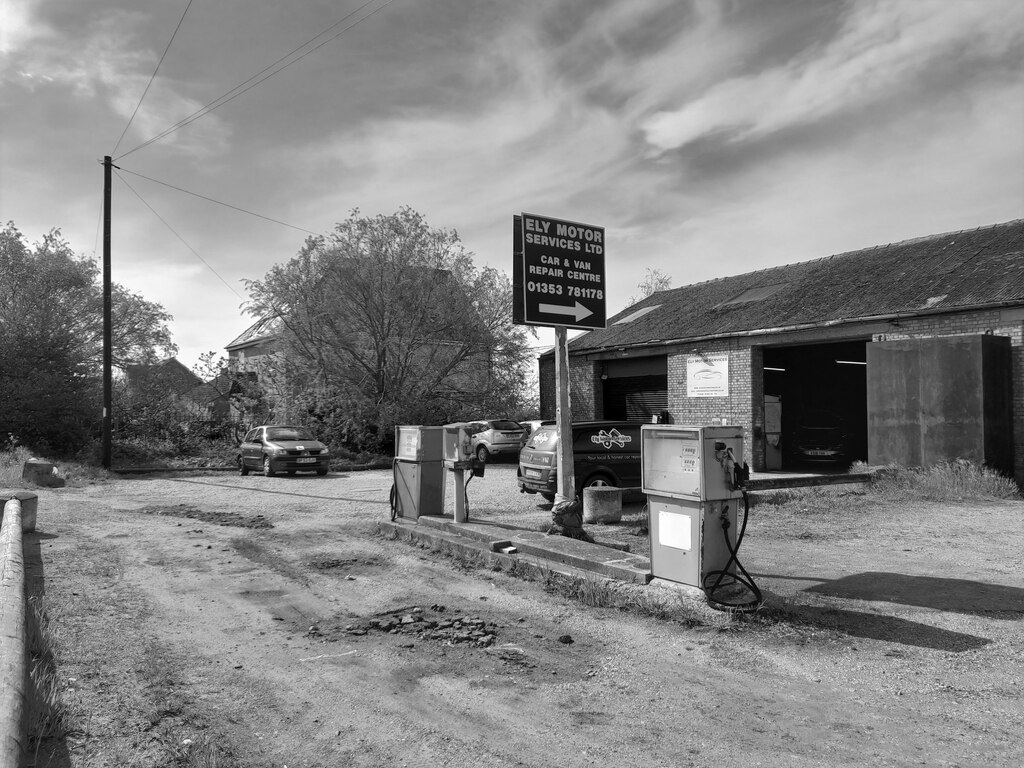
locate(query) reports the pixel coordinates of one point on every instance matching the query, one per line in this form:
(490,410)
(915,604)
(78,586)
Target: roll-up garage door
(635,398)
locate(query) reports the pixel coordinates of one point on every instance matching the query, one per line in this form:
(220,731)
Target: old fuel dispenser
(418,471)
(459,459)
(695,482)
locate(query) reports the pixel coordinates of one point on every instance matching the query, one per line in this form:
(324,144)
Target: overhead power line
(152,78)
(264,74)
(174,232)
(219,202)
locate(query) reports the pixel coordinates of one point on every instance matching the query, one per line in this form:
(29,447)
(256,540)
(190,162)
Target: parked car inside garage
(820,437)
(280,448)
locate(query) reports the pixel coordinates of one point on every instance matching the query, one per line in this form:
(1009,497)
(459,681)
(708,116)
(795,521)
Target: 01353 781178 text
(555,289)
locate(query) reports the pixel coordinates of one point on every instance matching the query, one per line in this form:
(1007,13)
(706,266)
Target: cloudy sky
(708,137)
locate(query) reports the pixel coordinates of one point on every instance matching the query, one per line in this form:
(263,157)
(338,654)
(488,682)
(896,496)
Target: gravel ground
(211,619)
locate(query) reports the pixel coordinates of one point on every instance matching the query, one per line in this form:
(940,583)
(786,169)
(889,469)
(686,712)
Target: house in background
(915,350)
(170,387)
(254,346)
(160,378)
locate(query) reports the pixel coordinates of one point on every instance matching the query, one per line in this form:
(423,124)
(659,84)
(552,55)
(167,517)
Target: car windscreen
(289,433)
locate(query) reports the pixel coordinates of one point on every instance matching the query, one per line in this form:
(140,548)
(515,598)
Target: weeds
(12,463)
(46,715)
(947,481)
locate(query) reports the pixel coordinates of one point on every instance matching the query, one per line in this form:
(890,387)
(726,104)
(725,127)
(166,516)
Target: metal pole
(108,322)
(563,415)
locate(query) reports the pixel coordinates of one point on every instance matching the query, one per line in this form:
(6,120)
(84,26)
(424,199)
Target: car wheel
(268,470)
(482,454)
(548,497)
(321,472)
(242,469)
(290,472)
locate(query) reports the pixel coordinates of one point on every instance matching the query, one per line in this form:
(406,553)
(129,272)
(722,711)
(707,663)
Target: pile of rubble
(417,622)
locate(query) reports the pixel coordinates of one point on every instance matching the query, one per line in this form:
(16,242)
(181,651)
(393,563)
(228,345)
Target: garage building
(908,353)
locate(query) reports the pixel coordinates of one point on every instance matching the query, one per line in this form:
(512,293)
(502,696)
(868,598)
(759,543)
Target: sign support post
(563,415)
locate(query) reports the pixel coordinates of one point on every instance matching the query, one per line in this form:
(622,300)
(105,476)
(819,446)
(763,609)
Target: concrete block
(602,504)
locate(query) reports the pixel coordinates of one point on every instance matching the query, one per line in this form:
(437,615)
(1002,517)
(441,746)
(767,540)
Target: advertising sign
(559,274)
(707,375)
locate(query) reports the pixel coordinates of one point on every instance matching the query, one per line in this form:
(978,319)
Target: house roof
(169,372)
(958,270)
(264,328)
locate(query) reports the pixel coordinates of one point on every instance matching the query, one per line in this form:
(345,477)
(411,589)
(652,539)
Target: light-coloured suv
(497,437)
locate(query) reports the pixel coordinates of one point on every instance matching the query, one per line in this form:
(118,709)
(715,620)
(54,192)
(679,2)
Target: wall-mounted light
(850,362)
(768,368)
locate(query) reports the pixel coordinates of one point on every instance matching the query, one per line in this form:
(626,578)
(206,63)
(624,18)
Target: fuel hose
(743,577)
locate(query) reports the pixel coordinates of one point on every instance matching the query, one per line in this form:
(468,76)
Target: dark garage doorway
(635,389)
(822,390)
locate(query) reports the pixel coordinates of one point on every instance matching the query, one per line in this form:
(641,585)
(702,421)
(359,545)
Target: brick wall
(744,406)
(585,389)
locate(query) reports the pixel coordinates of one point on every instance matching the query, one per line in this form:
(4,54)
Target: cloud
(17,28)
(104,60)
(882,50)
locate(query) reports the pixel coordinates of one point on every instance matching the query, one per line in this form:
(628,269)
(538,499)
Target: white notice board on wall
(707,375)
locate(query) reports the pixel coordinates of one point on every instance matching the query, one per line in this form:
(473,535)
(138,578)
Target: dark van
(604,453)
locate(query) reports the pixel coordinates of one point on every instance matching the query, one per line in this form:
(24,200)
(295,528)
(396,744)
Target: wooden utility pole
(108,321)
(563,415)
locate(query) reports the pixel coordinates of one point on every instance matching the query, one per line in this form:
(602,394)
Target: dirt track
(241,611)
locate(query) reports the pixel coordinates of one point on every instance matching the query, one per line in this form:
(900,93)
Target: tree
(655,281)
(51,337)
(389,319)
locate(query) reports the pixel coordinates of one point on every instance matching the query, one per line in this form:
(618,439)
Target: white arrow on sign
(579,311)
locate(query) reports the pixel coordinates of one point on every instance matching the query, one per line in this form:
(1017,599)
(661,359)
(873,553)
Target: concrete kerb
(507,544)
(12,633)
(29,506)
(472,549)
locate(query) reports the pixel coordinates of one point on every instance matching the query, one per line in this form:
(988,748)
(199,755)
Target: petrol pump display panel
(670,460)
(688,462)
(416,443)
(458,444)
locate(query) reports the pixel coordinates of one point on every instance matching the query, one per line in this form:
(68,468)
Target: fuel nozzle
(740,476)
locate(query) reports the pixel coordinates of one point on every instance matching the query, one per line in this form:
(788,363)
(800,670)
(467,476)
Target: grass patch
(46,715)
(12,464)
(958,480)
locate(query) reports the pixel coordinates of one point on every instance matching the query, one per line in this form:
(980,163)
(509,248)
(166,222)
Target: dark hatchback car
(272,449)
(820,437)
(604,453)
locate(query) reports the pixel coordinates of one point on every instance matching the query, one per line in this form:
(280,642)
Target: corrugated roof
(958,270)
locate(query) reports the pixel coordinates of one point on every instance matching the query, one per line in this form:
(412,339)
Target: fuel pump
(418,471)
(459,459)
(695,483)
